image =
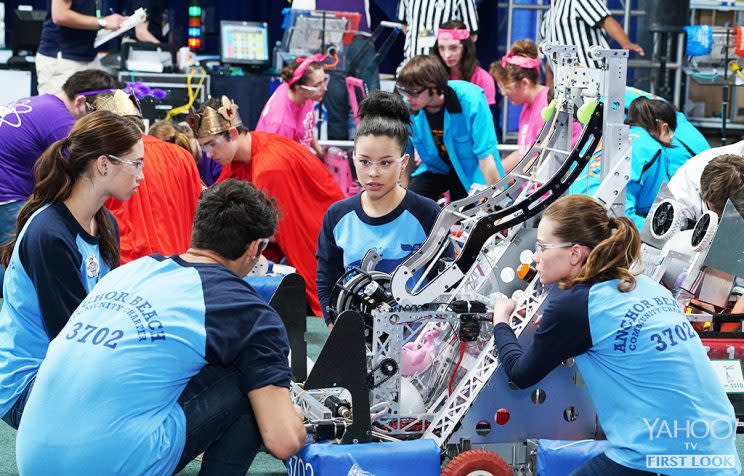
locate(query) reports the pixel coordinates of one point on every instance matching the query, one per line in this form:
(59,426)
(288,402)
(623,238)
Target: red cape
(158,218)
(303,189)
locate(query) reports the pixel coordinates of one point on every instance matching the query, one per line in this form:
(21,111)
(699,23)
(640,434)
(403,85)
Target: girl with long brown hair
(66,241)
(456,49)
(642,363)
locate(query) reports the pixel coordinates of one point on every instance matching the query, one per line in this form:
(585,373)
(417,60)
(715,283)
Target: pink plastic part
(352,86)
(415,359)
(337,161)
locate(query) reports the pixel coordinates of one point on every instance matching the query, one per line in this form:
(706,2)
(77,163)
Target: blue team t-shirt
(27,127)
(348,233)
(105,400)
(55,263)
(645,369)
(74,44)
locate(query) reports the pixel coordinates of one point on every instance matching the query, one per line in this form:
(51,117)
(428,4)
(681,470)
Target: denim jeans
(603,466)
(219,423)
(13,417)
(8,213)
(336,99)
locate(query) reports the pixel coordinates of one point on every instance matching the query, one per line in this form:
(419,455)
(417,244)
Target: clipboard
(139,16)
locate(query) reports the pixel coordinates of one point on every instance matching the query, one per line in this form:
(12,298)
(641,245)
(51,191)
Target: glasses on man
(382,165)
(262,244)
(138,164)
(318,86)
(540,247)
(411,93)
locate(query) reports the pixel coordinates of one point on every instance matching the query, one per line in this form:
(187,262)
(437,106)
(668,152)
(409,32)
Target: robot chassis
(429,321)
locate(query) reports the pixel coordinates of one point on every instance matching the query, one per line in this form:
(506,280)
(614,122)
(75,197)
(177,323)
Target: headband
(97,91)
(445,34)
(521,61)
(304,64)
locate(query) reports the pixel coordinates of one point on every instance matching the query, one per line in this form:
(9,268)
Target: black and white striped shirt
(423,18)
(576,22)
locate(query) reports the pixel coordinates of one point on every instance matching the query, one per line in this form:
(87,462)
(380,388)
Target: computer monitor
(244,42)
(27,26)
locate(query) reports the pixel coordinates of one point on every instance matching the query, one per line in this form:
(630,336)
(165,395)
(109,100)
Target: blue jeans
(219,423)
(336,99)
(8,213)
(13,417)
(603,466)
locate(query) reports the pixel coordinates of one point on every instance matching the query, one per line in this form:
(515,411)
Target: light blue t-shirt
(652,384)
(348,233)
(54,265)
(105,400)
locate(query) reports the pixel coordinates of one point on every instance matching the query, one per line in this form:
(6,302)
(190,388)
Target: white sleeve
(685,186)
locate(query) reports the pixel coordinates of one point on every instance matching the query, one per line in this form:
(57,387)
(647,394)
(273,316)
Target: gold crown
(211,121)
(118,102)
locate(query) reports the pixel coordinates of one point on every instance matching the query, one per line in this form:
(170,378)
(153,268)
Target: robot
(418,361)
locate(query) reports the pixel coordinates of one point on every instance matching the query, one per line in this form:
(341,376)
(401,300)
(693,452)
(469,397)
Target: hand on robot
(299,412)
(502,310)
(634,47)
(417,158)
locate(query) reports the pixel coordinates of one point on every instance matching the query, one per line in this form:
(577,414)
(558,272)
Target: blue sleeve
(244,332)
(330,263)
(564,332)
(632,194)
(483,131)
(53,263)
(426,211)
(645,155)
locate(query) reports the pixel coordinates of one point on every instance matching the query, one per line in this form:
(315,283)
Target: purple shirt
(209,170)
(27,127)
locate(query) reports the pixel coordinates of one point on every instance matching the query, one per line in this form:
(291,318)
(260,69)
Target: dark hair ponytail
(384,114)
(64,162)
(646,113)
(614,242)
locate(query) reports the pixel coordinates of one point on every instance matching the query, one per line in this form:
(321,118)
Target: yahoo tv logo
(691,432)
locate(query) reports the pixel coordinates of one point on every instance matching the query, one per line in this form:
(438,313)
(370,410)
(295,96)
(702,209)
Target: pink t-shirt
(282,116)
(531,121)
(482,79)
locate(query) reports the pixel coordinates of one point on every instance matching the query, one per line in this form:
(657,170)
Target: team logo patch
(92,267)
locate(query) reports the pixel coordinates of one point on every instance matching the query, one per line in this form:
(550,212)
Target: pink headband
(304,64)
(521,61)
(444,34)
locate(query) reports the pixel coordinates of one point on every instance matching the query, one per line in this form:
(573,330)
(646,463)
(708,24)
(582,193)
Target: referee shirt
(579,23)
(423,18)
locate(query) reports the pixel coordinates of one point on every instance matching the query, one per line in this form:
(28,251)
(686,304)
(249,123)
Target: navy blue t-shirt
(348,233)
(54,265)
(645,369)
(74,44)
(105,400)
